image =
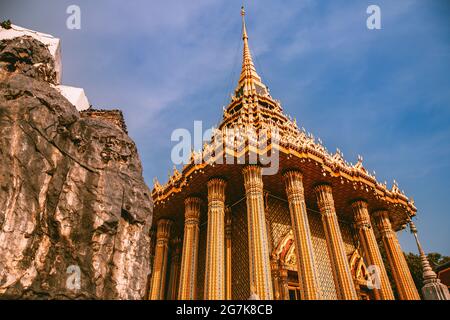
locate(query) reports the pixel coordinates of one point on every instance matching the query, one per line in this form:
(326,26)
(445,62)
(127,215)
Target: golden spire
(249,81)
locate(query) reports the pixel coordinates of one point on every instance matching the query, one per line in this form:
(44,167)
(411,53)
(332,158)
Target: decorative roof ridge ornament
(359,164)
(156,185)
(395,188)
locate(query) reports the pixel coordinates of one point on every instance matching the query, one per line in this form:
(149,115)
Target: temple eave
(348,184)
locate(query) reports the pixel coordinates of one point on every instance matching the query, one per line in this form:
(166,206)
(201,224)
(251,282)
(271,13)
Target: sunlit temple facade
(312,230)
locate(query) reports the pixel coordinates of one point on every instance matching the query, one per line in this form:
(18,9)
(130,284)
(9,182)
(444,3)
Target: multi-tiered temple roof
(252,106)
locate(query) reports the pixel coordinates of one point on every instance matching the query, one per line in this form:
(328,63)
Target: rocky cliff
(75,212)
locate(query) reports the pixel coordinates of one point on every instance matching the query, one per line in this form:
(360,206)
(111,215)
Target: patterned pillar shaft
(228,226)
(163,229)
(371,250)
(174,270)
(188,277)
(260,275)
(215,246)
(309,285)
(345,287)
(402,276)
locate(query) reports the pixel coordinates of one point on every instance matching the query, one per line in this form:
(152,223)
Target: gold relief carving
(291,259)
(358,267)
(157,288)
(400,270)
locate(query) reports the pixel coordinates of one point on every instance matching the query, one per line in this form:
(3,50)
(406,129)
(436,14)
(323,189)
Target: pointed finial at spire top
(244,29)
(249,81)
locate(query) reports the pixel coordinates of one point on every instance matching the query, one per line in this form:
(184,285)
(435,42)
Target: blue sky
(383,94)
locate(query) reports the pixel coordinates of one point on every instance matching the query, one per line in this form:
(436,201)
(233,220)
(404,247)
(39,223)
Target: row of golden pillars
(217,283)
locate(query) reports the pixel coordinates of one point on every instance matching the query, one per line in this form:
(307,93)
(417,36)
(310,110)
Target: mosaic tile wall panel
(322,259)
(240,284)
(347,237)
(278,221)
(201,260)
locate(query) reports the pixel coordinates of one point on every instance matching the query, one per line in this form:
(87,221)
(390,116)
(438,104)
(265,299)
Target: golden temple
(311,230)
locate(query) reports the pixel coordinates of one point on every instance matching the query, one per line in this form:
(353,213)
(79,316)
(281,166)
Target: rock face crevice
(75,212)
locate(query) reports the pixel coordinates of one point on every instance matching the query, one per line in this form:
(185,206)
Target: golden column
(174,269)
(228,226)
(345,287)
(371,250)
(405,285)
(215,247)
(188,277)
(259,261)
(163,229)
(309,285)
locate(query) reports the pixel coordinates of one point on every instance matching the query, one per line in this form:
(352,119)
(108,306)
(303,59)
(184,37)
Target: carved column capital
(216,189)
(383,222)
(192,207)
(361,214)
(163,229)
(252,178)
(325,202)
(290,177)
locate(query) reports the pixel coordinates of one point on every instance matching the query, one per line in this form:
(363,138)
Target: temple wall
(278,225)
(322,259)
(240,278)
(201,259)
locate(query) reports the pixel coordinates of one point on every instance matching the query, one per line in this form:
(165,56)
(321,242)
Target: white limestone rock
(53,44)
